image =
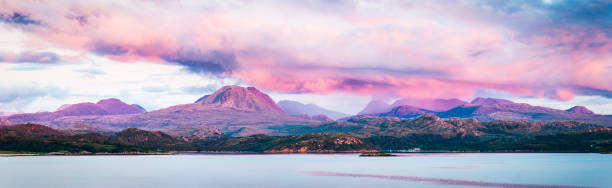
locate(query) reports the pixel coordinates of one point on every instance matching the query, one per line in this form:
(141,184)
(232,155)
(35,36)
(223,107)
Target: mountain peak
(241,98)
(489,101)
(430,104)
(115,106)
(111,106)
(109,101)
(405,111)
(580,110)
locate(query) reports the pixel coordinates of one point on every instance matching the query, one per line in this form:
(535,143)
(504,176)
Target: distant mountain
(80,128)
(489,101)
(142,109)
(226,110)
(438,105)
(406,111)
(109,106)
(114,106)
(239,98)
(489,109)
(297,108)
(3,114)
(375,107)
(320,117)
(82,109)
(580,110)
(498,109)
(430,104)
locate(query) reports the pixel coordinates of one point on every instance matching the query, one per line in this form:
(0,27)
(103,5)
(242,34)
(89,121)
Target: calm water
(309,170)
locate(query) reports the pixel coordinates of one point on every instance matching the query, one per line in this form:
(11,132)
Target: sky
(339,54)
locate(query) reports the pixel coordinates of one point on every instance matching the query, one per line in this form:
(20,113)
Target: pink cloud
(424,52)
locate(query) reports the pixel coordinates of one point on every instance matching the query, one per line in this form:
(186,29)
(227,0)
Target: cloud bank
(555,49)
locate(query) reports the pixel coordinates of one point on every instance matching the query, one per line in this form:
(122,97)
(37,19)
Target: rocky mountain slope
(498,109)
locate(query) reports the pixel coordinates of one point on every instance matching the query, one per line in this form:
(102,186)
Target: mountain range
(227,110)
(244,111)
(482,109)
(110,106)
(379,106)
(368,126)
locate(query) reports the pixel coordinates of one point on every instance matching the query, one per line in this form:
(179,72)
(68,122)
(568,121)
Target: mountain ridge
(226,110)
(240,111)
(110,106)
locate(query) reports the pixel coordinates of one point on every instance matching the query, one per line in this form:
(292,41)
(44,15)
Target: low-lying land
(376,154)
(360,134)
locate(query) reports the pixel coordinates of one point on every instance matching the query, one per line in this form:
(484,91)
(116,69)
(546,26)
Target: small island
(376,154)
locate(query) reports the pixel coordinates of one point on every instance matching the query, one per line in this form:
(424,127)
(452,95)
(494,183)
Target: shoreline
(271,153)
(86,154)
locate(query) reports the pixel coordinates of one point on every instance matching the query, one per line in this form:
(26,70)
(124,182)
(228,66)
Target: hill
(43,139)
(307,143)
(109,106)
(364,134)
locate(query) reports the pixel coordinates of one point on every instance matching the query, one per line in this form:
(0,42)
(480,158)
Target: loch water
(310,170)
